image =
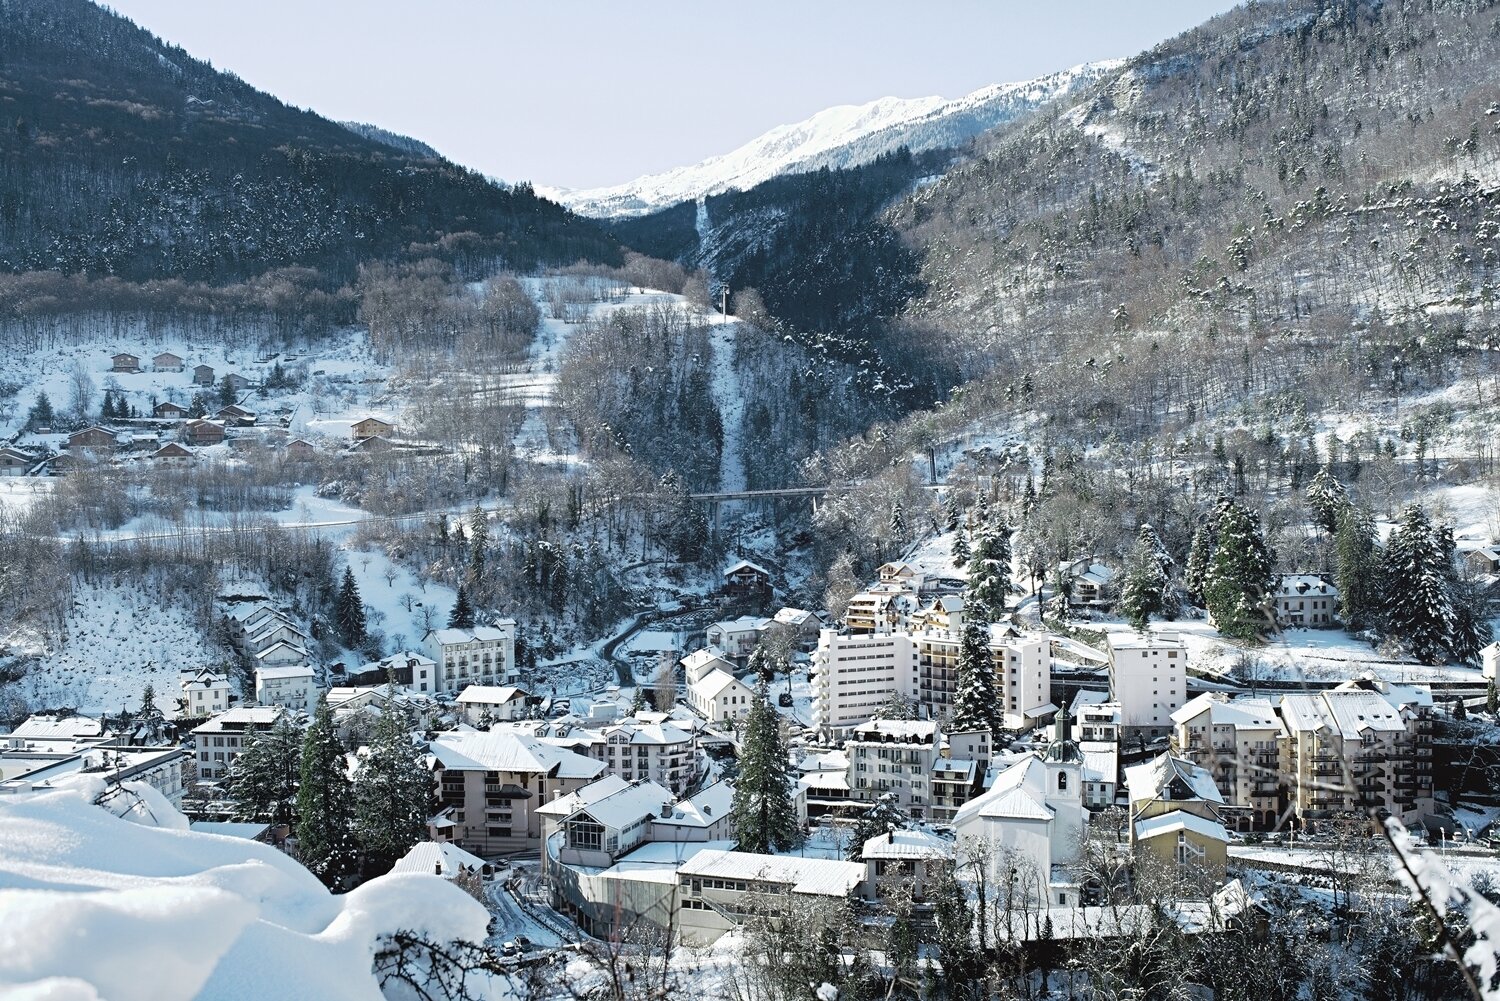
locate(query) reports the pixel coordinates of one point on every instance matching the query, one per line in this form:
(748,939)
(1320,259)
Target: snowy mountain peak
(846,135)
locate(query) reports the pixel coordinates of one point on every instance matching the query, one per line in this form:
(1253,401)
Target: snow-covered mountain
(844,136)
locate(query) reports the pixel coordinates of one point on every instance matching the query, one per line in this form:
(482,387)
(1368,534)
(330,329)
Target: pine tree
(989,576)
(325,802)
(226,392)
(639,703)
(1327,497)
(1356,567)
(975,703)
(40,415)
(882,817)
(1492,699)
(1418,607)
(393,793)
(898,522)
(955,924)
(479,536)
(1200,555)
(1144,587)
(1471,630)
(961,548)
(764,820)
(262,779)
(462,616)
(349,612)
(955,517)
(1237,586)
(1460,711)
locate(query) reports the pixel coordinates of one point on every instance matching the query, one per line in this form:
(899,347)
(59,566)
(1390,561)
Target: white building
(484,655)
(1305,600)
(854,674)
(1489,657)
(658,752)
(1148,678)
(737,638)
(204,693)
(719,696)
(1236,741)
(494,702)
(893,758)
(1096,728)
(280,655)
(221,739)
(1033,817)
(715,886)
(411,670)
(290,686)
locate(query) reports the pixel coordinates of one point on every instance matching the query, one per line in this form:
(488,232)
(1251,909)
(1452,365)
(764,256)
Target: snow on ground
(116,640)
(386,599)
(730,398)
(99,906)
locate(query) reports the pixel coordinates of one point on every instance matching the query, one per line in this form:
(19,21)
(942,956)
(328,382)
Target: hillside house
(736,638)
(91,439)
(919,854)
(14,462)
(237,383)
(484,655)
(1485,559)
(1305,600)
(1091,582)
(205,694)
(236,416)
(700,662)
(719,696)
(492,702)
(300,450)
(203,433)
(290,686)
(280,655)
(125,362)
(747,580)
(271,630)
(803,625)
(221,739)
(371,427)
(172,454)
(374,445)
(166,362)
(203,375)
(168,411)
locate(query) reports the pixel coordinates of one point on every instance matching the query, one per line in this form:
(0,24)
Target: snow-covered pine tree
(1357,567)
(349,612)
(262,779)
(393,792)
(898,522)
(1418,607)
(1145,582)
(639,703)
(1327,497)
(1237,586)
(881,817)
(479,535)
(462,616)
(961,550)
(764,820)
(1200,555)
(975,702)
(325,802)
(989,575)
(1471,630)
(954,515)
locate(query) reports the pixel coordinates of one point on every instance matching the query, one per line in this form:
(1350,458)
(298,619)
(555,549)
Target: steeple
(1062,747)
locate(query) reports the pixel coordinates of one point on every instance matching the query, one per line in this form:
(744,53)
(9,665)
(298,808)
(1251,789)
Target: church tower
(1064,763)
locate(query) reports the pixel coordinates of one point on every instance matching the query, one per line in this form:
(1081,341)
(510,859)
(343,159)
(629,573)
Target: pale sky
(582,93)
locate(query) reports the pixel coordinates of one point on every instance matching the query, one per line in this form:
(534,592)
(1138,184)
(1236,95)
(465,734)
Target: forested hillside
(123,155)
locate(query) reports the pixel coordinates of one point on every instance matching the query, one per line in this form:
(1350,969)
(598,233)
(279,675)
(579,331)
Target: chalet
(166,362)
(1091,585)
(169,411)
(91,439)
(746,579)
(203,375)
(300,449)
(237,383)
(203,433)
(1304,600)
(173,453)
(1485,559)
(371,427)
(124,362)
(14,462)
(236,416)
(902,575)
(373,446)
(281,654)
(481,703)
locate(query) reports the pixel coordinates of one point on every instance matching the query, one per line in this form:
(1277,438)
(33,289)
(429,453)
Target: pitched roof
(566,806)
(703,810)
(432,857)
(1009,797)
(907,845)
(1151,779)
(712,684)
(1240,713)
(54,728)
(490,694)
(824,877)
(1296,585)
(1177,820)
(625,806)
(746,565)
(486,634)
(280,646)
(508,751)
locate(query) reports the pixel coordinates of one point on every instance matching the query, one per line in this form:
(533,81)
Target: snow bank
(96,906)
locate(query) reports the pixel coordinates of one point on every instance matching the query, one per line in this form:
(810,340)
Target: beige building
(1237,740)
(1176,813)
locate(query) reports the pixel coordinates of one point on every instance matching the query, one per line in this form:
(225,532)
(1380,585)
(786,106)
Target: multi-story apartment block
(1148,678)
(492,782)
(484,655)
(854,674)
(1357,751)
(893,758)
(292,686)
(1236,741)
(219,741)
(658,752)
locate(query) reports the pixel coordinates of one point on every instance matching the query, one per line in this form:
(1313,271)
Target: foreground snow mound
(94,905)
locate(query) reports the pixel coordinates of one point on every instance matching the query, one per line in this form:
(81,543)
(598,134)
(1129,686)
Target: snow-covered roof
(955,769)
(1296,585)
(246,830)
(743,624)
(703,810)
(1149,780)
(245,610)
(1085,697)
(707,655)
(566,806)
(507,751)
(746,565)
(281,647)
(490,695)
(1177,820)
(433,858)
(289,671)
(205,679)
(712,684)
(53,728)
(650,733)
(922,731)
(794,617)
(907,845)
(1147,641)
(486,634)
(1240,713)
(1101,760)
(624,807)
(1014,795)
(242,717)
(1399,696)
(1097,574)
(1350,713)
(822,877)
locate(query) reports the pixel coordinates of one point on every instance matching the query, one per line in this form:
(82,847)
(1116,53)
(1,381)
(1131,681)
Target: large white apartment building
(1148,678)
(484,655)
(894,758)
(856,673)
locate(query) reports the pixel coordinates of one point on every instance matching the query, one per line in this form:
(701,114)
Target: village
(925,743)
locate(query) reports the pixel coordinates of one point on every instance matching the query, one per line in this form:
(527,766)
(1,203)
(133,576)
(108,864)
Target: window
(1062,781)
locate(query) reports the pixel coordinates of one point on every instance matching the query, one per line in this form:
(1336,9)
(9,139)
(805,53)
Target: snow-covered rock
(843,136)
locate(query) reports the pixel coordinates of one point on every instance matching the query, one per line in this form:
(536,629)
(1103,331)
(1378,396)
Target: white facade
(894,758)
(854,674)
(221,739)
(737,638)
(503,703)
(1148,678)
(719,696)
(1489,657)
(205,694)
(484,655)
(656,752)
(291,687)
(1305,600)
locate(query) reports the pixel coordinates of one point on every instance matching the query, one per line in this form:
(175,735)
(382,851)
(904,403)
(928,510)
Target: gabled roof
(507,751)
(907,845)
(1240,713)
(1154,778)
(1296,585)
(489,694)
(1015,795)
(707,655)
(746,565)
(794,617)
(743,624)
(566,806)
(432,857)
(712,684)
(282,647)
(1177,820)
(70,727)
(624,807)
(486,634)
(703,810)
